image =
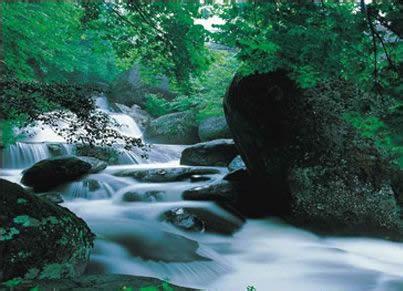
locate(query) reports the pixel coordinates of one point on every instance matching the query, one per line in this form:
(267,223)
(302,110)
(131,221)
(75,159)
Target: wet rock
(166,174)
(203,219)
(214,128)
(240,175)
(91,185)
(236,164)
(54,197)
(352,205)
(104,282)
(146,196)
(222,191)
(218,152)
(53,172)
(96,164)
(39,239)
(199,178)
(107,154)
(55,149)
(174,128)
(141,117)
(183,219)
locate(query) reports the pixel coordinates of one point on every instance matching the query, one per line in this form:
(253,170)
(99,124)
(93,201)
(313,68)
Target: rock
(129,88)
(173,128)
(141,117)
(109,155)
(39,239)
(54,197)
(103,282)
(96,164)
(239,175)
(166,174)
(181,218)
(203,219)
(218,152)
(236,164)
(214,128)
(199,178)
(352,206)
(49,173)
(219,191)
(146,196)
(91,185)
(55,149)
(286,134)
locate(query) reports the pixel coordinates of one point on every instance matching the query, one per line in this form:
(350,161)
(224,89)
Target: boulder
(54,197)
(103,282)
(130,88)
(107,154)
(218,191)
(203,219)
(145,196)
(141,117)
(158,175)
(214,128)
(39,239)
(236,164)
(173,128)
(96,164)
(354,205)
(50,173)
(55,149)
(287,136)
(218,152)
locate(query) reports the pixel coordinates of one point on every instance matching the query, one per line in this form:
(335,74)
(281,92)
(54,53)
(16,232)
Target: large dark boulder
(313,166)
(218,152)
(214,128)
(173,128)
(130,88)
(49,173)
(39,239)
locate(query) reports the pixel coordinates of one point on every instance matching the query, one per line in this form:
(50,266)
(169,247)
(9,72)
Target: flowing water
(265,254)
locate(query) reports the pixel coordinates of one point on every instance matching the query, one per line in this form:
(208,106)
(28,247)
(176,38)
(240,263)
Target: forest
(201,145)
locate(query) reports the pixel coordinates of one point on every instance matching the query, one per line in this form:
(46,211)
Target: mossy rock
(107,154)
(39,239)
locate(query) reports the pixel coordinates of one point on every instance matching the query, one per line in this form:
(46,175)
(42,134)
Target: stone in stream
(236,164)
(166,174)
(107,154)
(203,219)
(214,128)
(173,128)
(145,196)
(219,152)
(54,197)
(50,173)
(219,191)
(103,282)
(39,239)
(96,164)
(55,149)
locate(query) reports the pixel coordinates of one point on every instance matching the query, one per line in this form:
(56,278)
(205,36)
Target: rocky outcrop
(143,196)
(218,152)
(39,239)
(173,128)
(141,117)
(236,164)
(214,128)
(130,88)
(107,154)
(159,175)
(104,282)
(49,173)
(96,164)
(313,166)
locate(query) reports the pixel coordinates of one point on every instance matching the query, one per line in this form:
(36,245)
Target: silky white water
(266,254)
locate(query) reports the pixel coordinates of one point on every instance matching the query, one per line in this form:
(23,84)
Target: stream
(267,254)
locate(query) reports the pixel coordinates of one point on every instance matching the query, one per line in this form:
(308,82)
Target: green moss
(31,273)
(8,234)
(26,221)
(13,282)
(22,201)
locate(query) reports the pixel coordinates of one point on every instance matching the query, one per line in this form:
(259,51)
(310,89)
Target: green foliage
(157,106)
(46,41)
(374,128)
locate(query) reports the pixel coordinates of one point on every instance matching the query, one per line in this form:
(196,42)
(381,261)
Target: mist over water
(133,238)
